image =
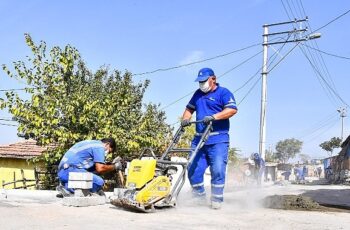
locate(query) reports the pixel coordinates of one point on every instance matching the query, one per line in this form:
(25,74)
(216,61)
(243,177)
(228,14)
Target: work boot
(199,198)
(216,205)
(62,192)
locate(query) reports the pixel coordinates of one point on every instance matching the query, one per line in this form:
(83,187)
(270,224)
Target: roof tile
(23,149)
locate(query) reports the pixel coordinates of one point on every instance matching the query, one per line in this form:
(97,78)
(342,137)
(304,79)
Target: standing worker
(216,104)
(87,156)
(259,167)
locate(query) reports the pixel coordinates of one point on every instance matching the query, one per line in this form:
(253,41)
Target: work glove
(208,119)
(115,160)
(118,165)
(185,123)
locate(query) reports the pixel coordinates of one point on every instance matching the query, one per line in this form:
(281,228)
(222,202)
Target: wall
(7,168)
(337,168)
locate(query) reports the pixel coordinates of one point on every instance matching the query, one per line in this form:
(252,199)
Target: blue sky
(142,36)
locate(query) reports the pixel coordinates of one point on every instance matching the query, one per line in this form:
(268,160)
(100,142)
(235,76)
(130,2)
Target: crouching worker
(87,156)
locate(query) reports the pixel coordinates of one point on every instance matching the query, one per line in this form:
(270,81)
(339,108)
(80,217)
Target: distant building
(14,158)
(337,168)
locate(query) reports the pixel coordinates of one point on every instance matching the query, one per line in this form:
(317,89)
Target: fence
(24,182)
(44,179)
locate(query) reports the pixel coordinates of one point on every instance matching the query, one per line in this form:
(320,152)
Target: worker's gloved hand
(208,119)
(118,165)
(185,123)
(115,160)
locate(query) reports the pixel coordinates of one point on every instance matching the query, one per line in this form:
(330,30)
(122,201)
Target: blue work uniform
(82,157)
(299,172)
(214,153)
(305,172)
(260,166)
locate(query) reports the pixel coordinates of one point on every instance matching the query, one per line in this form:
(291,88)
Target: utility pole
(266,43)
(263,94)
(342,112)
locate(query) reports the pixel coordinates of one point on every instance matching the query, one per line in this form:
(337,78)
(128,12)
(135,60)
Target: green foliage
(287,149)
(305,158)
(69,103)
(233,155)
(187,137)
(330,145)
(270,156)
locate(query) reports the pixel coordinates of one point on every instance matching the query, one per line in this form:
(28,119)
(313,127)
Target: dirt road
(242,210)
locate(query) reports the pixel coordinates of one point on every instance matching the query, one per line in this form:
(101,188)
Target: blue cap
(256,156)
(204,74)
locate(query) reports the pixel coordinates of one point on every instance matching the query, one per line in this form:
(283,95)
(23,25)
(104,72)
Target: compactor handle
(195,122)
(199,121)
(148,150)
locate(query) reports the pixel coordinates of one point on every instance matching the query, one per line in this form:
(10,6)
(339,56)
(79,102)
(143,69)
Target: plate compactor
(151,181)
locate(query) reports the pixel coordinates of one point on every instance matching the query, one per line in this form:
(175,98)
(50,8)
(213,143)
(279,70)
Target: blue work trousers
(260,175)
(97,181)
(214,156)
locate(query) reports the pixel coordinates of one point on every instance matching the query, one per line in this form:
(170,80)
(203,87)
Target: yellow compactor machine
(150,181)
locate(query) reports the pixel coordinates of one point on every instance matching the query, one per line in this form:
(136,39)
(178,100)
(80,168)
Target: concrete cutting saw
(151,182)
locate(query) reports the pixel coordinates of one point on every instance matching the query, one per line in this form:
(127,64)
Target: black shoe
(59,195)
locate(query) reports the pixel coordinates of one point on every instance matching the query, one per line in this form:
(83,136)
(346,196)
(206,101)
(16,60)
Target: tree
(270,156)
(305,158)
(330,145)
(186,139)
(287,149)
(68,103)
(233,155)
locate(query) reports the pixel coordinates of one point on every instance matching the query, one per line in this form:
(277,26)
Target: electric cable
(195,62)
(327,53)
(7,124)
(335,93)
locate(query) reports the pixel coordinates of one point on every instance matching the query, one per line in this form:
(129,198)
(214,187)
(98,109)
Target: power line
(272,59)
(284,56)
(196,62)
(335,19)
(7,124)
(4,119)
(317,126)
(285,9)
(302,7)
(318,54)
(324,52)
(335,93)
(251,88)
(319,77)
(230,70)
(319,57)
(166,69)
(322,63)
(327,126)
(174,102)
(20,89)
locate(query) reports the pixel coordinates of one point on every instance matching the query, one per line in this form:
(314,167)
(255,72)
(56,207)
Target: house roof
(24,149)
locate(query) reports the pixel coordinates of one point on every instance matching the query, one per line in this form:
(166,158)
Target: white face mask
(106,153)
(204,86)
